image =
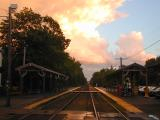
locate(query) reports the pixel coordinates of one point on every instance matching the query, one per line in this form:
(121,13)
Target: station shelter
(36,78)
(133,75)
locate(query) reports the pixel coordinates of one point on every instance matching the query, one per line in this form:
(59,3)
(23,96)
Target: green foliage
(153,70)
(153,61)
(102,77)
(45,43)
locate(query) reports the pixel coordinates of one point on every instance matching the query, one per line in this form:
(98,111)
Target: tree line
(45,45)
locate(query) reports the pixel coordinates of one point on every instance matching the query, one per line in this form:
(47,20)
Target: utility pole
(11,8)
(121,61)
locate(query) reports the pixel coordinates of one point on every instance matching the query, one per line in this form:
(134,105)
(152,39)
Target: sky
(102,30)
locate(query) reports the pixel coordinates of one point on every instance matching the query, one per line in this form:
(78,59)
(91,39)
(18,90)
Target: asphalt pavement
(149,105)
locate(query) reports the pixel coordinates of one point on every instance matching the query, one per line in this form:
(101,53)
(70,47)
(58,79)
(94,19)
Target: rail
(64,106)
(124,116)
(70,99)
(54,114)
(94,107)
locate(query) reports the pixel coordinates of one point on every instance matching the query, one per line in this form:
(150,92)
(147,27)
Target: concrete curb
(45,100)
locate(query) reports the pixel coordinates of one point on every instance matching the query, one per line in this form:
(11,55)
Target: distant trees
(103,77)
(45,44)
(152,61)
(153,70)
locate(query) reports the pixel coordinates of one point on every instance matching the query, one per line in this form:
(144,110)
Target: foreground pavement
(24,104)
(149,105)
(18,103)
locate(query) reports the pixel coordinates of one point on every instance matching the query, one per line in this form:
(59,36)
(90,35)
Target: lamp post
(11,9)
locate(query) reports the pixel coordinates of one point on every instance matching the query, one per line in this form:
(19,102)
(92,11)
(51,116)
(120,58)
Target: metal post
(8,82)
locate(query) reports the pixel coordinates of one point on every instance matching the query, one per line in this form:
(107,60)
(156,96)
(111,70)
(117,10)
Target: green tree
(102,77)
(153,70)
(44,39)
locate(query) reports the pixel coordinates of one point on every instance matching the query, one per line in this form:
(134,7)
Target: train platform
(149,105)
(136,104)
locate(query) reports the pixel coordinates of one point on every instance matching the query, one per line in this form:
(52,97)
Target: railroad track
(112,109)
(97,97)
(59,108)
(88,103)
(94,107)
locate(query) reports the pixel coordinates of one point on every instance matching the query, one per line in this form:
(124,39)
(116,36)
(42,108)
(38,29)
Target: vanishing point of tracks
(83,104)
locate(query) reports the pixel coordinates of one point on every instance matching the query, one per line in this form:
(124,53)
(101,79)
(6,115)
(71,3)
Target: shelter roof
(32,66)
(133,67)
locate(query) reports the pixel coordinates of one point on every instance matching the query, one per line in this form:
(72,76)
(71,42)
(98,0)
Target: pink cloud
(131,46)
(79,20)
(90,51)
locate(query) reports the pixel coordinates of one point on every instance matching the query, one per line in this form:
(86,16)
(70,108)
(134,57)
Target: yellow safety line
(129,107)
(43,101)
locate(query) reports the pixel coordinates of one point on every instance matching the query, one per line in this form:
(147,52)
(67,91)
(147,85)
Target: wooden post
(44,85)
(21,84)
(22,75)
(50,82)
(146,90)
(43,74)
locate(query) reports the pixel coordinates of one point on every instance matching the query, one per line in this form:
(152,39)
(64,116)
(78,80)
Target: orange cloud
(131,46)
(79,20)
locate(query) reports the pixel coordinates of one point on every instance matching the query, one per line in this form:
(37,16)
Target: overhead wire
(135,54)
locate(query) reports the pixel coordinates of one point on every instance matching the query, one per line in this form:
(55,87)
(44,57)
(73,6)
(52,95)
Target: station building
(134,73)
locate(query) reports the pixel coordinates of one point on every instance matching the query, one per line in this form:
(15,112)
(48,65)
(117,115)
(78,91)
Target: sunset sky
(102,30)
